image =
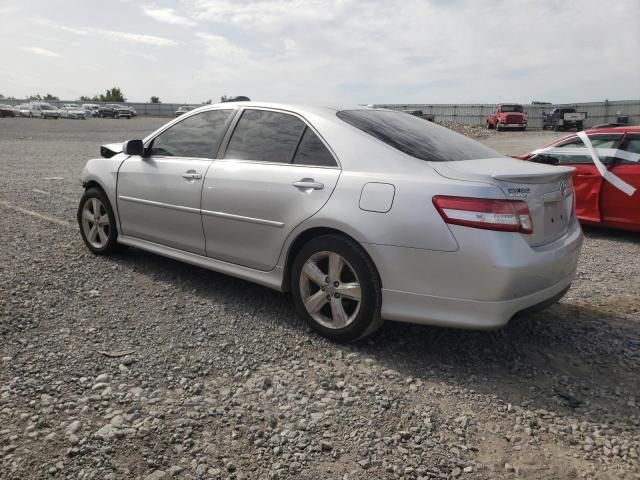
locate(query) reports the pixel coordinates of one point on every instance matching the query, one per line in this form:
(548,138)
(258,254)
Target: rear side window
(194,137)
(417,137)
(312,151)
(265,136)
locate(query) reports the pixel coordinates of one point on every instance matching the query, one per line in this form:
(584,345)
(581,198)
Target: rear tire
(336,289)
(97,222)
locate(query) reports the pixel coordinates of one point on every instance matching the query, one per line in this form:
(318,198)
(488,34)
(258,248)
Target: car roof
(619,129)
(314,109)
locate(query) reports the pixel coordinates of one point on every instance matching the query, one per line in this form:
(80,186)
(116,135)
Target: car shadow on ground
(568,358)
(611,234)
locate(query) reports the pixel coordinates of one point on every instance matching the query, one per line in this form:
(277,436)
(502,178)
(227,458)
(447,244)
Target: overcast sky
(404,51)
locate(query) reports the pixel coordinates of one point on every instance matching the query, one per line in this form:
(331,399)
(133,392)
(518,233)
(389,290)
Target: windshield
(511,108)
(44,106)
(416,137)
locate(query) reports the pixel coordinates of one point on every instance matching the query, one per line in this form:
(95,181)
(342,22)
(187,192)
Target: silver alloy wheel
(95,222)
(330,290)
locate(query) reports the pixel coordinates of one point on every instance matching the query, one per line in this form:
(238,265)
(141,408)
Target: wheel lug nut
(326,279)
(328,297)
(322,288)
(337,295)
(335,284)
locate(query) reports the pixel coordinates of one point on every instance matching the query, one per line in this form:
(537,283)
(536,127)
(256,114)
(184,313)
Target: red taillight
(485,213)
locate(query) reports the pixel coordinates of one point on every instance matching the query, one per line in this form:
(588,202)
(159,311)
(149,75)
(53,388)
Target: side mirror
(133,147)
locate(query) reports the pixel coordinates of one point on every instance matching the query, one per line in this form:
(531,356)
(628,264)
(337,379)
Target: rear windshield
(416,137)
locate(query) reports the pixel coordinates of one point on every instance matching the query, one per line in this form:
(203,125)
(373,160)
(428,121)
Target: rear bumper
(463,313)
(490,278)
(512,125)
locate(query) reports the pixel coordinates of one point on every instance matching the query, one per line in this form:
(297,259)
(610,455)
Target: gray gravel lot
(221,380)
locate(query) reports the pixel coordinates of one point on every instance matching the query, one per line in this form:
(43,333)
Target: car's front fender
(104,173)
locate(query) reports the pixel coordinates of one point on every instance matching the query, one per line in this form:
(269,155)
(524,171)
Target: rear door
(587,180)
(159,194)
(275,173)
(618,207)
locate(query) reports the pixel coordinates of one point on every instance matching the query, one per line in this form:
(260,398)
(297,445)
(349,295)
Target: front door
(618,207)
(587,180)
(159,194)
(275,173)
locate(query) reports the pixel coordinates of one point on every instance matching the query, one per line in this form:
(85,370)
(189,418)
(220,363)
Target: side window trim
(232,127)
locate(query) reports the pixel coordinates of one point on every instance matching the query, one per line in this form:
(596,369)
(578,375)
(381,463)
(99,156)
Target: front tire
(97,222)
(336,288)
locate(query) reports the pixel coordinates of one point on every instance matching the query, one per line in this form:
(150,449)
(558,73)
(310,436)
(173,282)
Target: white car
(24,110)
(72,110)
(91,109)
(43,110)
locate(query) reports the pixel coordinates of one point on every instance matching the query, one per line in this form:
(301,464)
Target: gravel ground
(136,366)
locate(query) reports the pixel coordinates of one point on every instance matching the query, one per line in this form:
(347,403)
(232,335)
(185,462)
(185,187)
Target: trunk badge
(519,192)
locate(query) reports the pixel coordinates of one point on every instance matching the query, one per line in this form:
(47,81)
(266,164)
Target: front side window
(312,151)
(265,136)
(195,136)
(583,155)
(416,137)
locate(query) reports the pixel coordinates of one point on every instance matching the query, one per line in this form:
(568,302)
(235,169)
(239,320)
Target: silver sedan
(362,214)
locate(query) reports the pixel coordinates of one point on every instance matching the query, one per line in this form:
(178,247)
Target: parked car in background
(363,214)
(73,110)
(23,110)
(7,111)
(114,111)
(183,109)
(563,119)
(43,110)
(507,115)
(92,109)
(598,201)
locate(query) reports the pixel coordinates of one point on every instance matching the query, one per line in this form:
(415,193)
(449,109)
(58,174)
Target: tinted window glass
(195,136)
(312,151)
(583,156)
(265,136)
(417,137)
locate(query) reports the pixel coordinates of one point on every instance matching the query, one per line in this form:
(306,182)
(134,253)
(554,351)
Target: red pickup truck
(507,115)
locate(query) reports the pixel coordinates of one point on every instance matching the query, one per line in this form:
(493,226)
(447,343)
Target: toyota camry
(363,214)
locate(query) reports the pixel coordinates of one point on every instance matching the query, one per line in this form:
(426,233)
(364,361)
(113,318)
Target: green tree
(155,99)
(1,96)
(47,97)
(111,95)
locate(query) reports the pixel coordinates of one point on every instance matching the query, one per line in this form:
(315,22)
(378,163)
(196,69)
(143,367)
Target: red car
(598,200)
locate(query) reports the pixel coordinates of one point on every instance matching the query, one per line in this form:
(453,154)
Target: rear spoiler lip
(558,174)
(109,150)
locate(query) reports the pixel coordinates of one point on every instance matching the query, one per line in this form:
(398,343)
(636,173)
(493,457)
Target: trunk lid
(547,190)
